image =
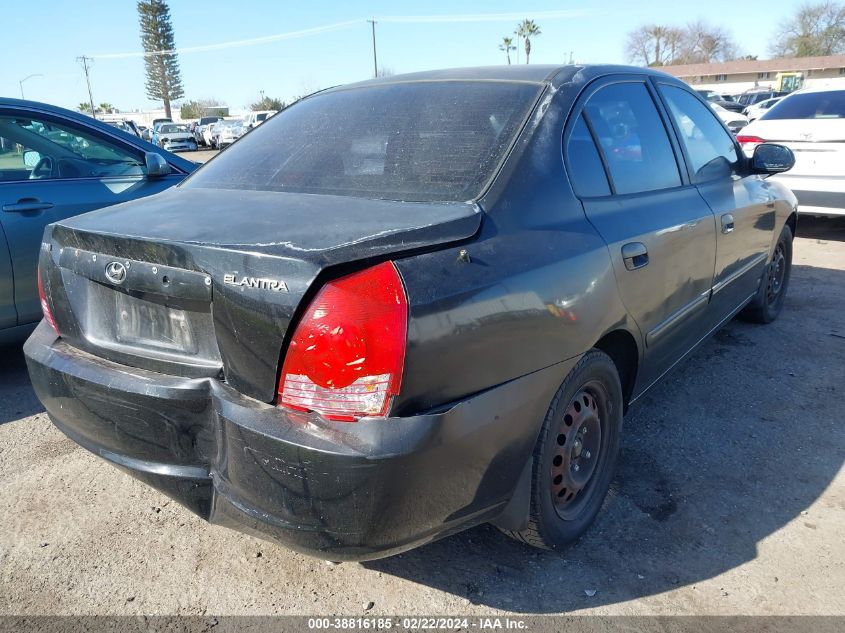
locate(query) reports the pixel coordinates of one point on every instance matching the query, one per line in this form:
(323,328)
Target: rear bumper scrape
(330,489)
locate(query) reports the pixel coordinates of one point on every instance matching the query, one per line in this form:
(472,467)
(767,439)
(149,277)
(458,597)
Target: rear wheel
(575,455)
(768,302)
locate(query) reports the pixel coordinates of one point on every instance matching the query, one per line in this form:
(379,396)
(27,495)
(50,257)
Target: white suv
(254,119)
(811,122)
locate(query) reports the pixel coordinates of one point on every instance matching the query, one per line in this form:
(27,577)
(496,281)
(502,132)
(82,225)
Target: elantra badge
(262,283)
(115,272)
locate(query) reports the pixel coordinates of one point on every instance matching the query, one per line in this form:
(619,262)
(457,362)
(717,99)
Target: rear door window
(632,138)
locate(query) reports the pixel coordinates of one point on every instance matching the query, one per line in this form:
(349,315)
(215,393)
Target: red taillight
(45,307)
(346,357)
(744,139)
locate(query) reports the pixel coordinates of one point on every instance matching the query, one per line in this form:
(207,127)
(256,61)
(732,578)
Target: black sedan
(408,306)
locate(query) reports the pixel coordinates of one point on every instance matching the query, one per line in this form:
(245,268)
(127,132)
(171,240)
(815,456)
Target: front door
(660,233)
(51,169)
(743,207)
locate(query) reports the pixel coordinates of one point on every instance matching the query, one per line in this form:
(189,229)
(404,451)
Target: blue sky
(63,30)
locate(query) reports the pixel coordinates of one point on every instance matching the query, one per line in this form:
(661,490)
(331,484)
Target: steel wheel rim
(776,275)
(578,449)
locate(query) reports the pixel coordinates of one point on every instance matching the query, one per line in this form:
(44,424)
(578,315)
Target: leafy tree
(164,80)
(507,46)
(814,30)
(84,107)
(105,107)
(267,103)
(526,30)
(198,108)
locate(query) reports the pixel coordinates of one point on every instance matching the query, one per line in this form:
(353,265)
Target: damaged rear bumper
(342,491)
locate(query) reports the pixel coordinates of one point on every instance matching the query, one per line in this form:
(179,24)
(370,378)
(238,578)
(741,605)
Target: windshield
(406,141)
(171,128)
(809,105)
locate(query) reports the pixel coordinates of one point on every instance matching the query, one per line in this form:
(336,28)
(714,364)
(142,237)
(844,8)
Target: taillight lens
(744,139)
(346,357)
(45,307)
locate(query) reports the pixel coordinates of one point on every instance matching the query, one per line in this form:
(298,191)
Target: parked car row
(747,106)
(215,132)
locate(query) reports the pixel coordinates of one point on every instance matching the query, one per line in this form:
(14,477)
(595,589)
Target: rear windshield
(407,141)
(809,105)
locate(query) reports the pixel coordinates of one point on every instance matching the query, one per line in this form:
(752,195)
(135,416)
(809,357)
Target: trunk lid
(198,281)
(818,144)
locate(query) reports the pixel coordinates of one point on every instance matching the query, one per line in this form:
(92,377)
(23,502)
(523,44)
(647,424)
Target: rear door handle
(26,205)
(727,223)
(635,255)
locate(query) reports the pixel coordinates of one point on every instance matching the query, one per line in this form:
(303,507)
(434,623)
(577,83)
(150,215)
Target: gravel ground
(729,500)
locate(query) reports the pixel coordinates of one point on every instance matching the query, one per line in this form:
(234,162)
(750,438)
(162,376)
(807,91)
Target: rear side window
(711,150)
(585,168)
(633,139)
(415,141)
(809,105)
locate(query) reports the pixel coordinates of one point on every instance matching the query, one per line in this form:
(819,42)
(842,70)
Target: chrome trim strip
(762,257)
(718,326)
(673,319)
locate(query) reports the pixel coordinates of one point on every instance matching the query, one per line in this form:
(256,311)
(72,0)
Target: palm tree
(84,107)
(106,107)
(526,30)
(507,46)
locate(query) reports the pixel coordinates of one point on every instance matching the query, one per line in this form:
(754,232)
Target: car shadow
(719,456)
(816,228)
(17,399)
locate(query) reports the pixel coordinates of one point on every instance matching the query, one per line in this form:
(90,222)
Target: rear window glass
(406,141)
(809,105)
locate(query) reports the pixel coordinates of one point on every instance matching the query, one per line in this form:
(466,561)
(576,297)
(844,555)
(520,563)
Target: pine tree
(164,80)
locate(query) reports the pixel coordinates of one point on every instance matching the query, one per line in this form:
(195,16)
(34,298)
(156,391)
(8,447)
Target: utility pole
(375,59)
(84,60)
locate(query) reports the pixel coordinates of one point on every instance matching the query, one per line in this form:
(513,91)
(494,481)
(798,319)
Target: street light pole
(375,58)
(25,79)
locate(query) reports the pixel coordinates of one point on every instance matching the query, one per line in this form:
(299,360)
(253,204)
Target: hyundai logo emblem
(115,272)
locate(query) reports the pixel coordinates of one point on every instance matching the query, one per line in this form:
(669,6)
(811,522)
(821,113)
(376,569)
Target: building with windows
(779,74)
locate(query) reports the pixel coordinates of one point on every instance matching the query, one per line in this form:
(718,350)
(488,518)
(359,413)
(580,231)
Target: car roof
(532,73)
(826,87)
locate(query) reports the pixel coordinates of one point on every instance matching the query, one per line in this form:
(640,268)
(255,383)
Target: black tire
(768,302)
(559,514)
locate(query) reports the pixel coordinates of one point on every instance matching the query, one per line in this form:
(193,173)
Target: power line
(326,28)
(84,61)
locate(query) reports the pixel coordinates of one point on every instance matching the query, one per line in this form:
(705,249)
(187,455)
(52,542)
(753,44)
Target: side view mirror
(31,158)
(771,158)
(156,165)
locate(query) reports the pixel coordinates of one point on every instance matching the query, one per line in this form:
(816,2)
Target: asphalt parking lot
(730,499)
